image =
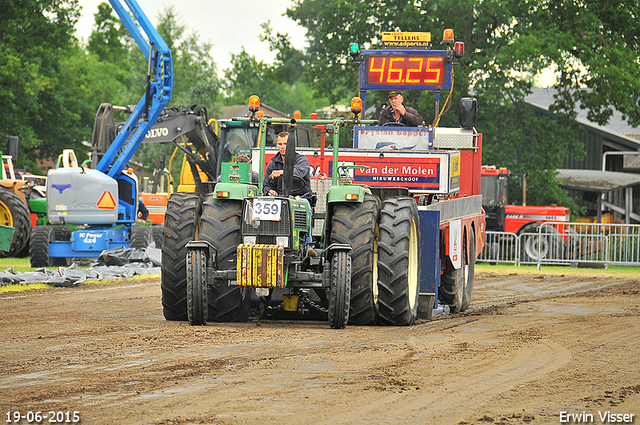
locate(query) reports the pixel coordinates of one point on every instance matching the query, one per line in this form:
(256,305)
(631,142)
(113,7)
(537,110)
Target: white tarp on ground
(119,263)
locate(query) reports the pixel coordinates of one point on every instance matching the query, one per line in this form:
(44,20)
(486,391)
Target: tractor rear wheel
(340,290)
(220,226)
(357,224)
(183,211)
(399,262)
(197,286)
(15,213)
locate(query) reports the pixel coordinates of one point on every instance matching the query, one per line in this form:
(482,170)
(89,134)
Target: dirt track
(529,348)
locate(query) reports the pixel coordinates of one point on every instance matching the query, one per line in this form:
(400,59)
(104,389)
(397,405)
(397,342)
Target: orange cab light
(260,114)
(254,103)
(297,115)
(447,36)
(356,105)
(458,49)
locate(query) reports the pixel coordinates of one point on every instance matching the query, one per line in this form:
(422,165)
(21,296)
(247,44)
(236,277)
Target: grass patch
(17,264)
(17,287)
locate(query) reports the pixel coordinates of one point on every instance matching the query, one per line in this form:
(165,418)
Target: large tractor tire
(183,211)
(220,226)
(197,307)
(357,224)
(41,236)
(340,292)
(456,286)
(157,232)
(141,237)
(15,213)
(399,262)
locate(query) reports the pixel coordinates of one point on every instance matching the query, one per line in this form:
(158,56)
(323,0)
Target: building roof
(596,181)
(543,98)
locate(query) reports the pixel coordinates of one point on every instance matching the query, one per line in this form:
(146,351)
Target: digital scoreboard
(422,70)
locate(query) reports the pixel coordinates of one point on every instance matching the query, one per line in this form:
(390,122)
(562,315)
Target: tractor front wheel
(197,286)
(340,290)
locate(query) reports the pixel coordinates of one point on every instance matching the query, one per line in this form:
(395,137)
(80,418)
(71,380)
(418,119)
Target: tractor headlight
(249,240)
(282,240)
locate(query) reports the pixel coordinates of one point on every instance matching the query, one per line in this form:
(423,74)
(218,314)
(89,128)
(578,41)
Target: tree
(247,77)
(35,37)
(195,79)
(283,85)
(195,72)
(106,40)
(592,44)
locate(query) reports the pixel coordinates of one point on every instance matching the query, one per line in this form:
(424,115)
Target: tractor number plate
(267,209)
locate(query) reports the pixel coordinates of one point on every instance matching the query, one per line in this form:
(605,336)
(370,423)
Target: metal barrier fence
(562,243)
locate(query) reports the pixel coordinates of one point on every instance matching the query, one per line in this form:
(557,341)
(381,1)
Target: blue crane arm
(157,95)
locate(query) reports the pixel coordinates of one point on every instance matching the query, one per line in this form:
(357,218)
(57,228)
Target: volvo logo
(157,132)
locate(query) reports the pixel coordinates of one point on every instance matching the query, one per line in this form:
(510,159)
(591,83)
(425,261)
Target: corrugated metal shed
(596,181)
(605,183)
(616,136)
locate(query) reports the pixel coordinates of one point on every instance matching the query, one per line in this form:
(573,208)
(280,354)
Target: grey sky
(228,25)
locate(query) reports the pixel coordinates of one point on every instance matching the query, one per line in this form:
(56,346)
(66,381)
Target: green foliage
(51,87)
(106,40)
(509,43)
(35,36)
(195,81)
(276,87)
(284,85)
(195,74)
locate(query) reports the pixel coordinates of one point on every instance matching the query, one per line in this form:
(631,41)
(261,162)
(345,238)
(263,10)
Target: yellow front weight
(261,266)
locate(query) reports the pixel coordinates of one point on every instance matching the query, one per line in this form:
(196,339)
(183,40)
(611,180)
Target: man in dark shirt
(273,180)
(142,209)
(399,113)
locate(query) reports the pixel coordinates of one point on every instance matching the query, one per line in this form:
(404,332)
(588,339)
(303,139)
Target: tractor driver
(399,113)
(273,180)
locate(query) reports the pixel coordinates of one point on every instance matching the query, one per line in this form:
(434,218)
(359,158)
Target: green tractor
(248,244)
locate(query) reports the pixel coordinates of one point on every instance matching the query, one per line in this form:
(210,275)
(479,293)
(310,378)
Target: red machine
(503,217)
